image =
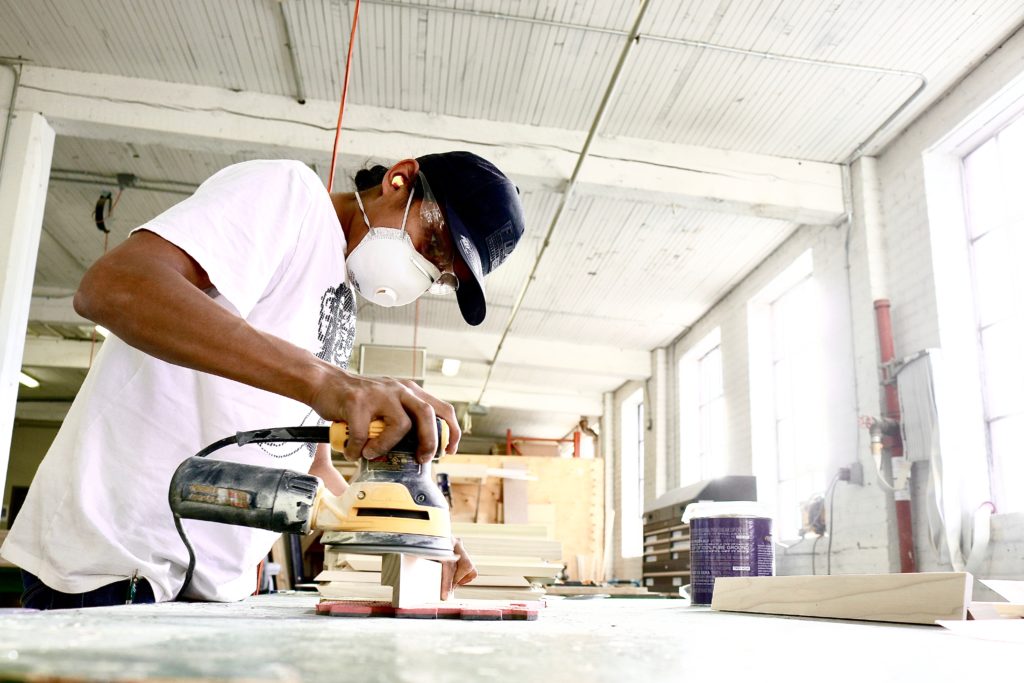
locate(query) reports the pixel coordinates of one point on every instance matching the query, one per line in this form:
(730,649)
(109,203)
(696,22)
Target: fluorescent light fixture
(450,367)
(102,331)
(30,382)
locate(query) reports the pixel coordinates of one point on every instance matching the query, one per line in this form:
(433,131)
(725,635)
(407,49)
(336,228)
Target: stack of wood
(513,562)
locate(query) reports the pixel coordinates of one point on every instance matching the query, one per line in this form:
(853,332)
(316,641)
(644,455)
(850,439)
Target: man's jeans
(38,595)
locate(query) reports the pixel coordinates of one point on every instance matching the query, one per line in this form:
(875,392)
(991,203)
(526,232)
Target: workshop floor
(279,638)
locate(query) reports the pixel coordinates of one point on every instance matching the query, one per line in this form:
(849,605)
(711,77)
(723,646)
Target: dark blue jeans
(38,595)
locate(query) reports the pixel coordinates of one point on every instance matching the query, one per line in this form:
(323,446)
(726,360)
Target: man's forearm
(157,310)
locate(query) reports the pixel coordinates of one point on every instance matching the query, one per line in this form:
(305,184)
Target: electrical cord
(272,435)
(831,506)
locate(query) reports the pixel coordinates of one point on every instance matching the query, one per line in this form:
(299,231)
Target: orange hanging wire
(344,94)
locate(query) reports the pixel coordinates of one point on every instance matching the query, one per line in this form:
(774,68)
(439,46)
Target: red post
(894,442)
(508,442)
(576,444)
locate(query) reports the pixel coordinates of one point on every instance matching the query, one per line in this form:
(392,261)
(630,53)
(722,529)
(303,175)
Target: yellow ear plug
(398,182)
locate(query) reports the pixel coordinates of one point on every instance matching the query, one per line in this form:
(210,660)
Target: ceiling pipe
(300,88)
(89,178)
(570,186)
(15,66)
(703,45)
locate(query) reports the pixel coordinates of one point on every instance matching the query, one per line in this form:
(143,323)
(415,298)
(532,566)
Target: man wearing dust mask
(234,310)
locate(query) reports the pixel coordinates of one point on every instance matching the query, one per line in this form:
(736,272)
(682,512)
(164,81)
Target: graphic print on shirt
(336,332)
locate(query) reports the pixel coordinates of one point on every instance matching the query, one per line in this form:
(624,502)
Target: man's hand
(359,400)
(457,572)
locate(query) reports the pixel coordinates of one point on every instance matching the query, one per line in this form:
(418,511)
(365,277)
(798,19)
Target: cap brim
(471,290)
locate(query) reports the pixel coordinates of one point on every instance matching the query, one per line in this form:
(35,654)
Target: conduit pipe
(894,439)
(300,90)
(15,66)
(570,187)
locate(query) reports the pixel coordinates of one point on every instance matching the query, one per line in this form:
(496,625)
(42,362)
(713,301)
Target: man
(231,311)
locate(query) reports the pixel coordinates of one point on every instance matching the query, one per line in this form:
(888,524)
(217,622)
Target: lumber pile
(513,562)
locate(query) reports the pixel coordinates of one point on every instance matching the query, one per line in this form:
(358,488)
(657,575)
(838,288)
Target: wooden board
(923,598)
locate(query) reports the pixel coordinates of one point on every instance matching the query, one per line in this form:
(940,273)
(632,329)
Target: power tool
(393,505)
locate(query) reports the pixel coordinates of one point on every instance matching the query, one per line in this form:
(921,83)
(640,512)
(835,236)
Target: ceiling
(627,274)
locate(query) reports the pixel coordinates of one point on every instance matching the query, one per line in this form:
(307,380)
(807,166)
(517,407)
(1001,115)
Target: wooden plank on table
(922,598)
(348,575)
(485,593)
(343,590)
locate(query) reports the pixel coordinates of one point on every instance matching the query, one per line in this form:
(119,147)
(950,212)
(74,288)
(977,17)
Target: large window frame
(993,175)
(702,411)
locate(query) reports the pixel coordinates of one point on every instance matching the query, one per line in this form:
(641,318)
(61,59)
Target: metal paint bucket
(732,538)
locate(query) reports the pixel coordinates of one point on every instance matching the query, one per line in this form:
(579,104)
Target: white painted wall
(898,248)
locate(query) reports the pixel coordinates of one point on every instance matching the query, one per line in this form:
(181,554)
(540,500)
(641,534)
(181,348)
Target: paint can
(727,538)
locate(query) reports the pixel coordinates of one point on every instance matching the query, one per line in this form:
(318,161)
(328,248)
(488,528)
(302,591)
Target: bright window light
(450,367)
(30,382)
(995,210)
(632,471)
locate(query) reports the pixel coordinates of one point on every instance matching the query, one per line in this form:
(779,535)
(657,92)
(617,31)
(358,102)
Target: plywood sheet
(922,598)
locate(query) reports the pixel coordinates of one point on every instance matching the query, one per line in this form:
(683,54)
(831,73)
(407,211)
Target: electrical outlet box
(856,474)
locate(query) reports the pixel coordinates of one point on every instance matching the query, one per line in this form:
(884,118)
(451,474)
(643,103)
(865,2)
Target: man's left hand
(456,572)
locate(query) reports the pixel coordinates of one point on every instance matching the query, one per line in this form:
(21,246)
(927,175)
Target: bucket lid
(725,508)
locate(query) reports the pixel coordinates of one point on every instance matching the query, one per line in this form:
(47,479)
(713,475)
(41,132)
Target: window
(632,472)
(788,392)
(993,182)
(702,411)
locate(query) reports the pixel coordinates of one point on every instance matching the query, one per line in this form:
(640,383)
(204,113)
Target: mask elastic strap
(405,216)
(359,201)
(408,204)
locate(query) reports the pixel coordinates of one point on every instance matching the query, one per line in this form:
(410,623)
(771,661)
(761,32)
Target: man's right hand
(340,395)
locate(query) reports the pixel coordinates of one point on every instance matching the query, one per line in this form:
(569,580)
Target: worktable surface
(279,638)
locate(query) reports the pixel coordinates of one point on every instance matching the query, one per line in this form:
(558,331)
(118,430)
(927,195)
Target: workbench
(279,638)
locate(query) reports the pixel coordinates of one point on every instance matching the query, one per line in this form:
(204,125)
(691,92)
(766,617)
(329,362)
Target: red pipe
(894,441)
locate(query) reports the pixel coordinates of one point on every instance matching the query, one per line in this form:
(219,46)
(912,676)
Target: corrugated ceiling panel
(236,45)
(718,99)
(412,58)
(631,274)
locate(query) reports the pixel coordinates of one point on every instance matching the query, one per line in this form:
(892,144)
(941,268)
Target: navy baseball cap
(484,214)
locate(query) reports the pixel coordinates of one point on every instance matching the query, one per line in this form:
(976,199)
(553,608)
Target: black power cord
(272,435)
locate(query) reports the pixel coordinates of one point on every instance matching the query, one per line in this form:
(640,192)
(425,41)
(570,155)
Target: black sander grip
(243,495)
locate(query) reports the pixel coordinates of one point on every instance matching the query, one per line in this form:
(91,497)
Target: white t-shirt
(268,237)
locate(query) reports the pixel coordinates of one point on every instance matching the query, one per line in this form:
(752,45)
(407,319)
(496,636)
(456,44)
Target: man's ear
(400,177)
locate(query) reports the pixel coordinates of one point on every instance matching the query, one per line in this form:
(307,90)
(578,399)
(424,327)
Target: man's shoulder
(268,170)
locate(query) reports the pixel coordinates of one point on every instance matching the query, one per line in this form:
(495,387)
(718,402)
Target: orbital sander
(393,505)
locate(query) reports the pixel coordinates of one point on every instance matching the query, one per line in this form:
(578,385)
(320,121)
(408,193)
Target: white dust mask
(385,267)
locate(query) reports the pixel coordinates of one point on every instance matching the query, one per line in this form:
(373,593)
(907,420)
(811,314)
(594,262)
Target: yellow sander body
(392,505)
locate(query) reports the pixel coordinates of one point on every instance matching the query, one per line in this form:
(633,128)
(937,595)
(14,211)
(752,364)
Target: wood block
(415,580)
(922,598)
